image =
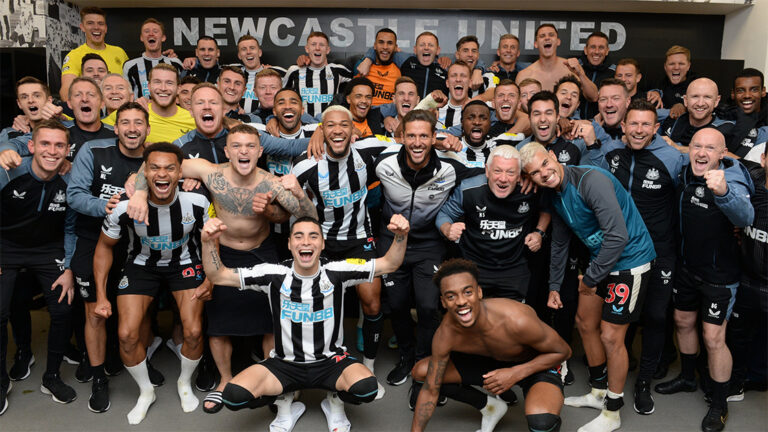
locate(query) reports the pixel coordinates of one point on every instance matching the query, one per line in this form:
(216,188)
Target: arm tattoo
(141,181)
(298,207)
(399,238)
(215,257)
(235,200)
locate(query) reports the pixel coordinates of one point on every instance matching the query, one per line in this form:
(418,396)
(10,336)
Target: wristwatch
(543,234)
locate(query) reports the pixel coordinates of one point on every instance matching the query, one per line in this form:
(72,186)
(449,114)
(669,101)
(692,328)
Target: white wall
(745,36)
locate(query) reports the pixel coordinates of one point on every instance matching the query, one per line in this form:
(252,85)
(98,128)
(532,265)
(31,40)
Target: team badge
(563,157)
(326,287)
(60,197)
(524,208)
(123,283)
(652,174)
(188,219)
(700,192)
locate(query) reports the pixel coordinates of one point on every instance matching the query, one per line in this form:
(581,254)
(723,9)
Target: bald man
(713,198)
(700,101)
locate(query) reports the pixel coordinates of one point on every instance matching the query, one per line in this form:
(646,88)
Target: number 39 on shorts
(617,290)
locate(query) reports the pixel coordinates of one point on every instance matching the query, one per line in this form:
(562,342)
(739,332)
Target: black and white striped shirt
(489,81)
(477,156)
(173,236)
(448,116)
(317,87)
(339,188)
(282,165)
(250,102)
(136,71)
(307,311)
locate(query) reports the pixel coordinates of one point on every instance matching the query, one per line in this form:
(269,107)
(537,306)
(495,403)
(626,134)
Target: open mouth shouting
(162,187)
(464,314)
(306,255)
(476,135)
(208,120)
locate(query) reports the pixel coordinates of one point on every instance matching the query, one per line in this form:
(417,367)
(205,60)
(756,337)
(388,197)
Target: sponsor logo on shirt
(105,171)
(19,195)
(59,263)
(497,230)
(302,312)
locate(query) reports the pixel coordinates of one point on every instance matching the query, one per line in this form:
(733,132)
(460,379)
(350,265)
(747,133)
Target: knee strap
(543,422)
(363,391)
(236,398)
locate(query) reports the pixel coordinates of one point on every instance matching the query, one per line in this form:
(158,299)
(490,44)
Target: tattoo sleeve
(141,179)
(298,207)
(425,408)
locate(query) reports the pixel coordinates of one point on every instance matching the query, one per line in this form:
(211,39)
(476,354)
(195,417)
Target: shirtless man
(549,68)
(241,194)
(494,343)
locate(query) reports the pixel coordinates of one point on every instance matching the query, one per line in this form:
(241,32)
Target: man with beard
(549,68)
(458,83)
(341,205)
(93,22)
(628,71)
(116,91)
(366,119)
(649,169)
(416,181)
(700,101)
(137,70)
(491,213)
(475,123)
(163,254)
(231,84)
(596,67)
(319,81)
(168,121)
(288,111)
(590,203)
(384,71)
(205,64)
(98,175)
(36,235)
(494,343)
(748,93)
(249,52)
(184,93)
(713,199)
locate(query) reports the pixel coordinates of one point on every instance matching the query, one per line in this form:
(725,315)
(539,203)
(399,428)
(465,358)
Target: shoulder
(186,138)
(474,182)
(195,198)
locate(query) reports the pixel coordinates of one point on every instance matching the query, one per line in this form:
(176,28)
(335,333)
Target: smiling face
(503,174)
(426,49)
(475,122)
(612,102)
(184,97)
(385,47)
(208,111)
(232,87)
(458,82)
(406,98)
(639,128)
(243,151)
(207,53)
(543,121)
(152,37)
(116,92)
(359,100)
(461,296)
(544,170)
(547,42)
(748,92)
(163,172)
(288,110)
(629,74)
(506,99)
(31,98)
(418,137)
(508,51)
(49,148)
(701,98)
(85,102)
(317,49)
(163,85)
(95,28)
(249,52)
(131,129)
(676,67)
(337,130)
(596,50)
(568,97)
(95,69)
(306,243)
(706,150)
(469,53)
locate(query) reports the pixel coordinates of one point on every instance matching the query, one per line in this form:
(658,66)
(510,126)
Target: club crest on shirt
(188,219)
(123,283)
(563,157)
(652,174)
(326,286)
(699,192)
(524,208)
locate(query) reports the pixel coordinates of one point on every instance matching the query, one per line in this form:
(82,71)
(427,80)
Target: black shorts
(82,268)
(232,312)
(472,367)
(510,282)
(298,376)
(147,280)
(339,250)
(624,292)
(714,301)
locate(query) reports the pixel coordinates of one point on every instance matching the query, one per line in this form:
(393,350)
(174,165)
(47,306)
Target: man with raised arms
(494,343)
(307,301)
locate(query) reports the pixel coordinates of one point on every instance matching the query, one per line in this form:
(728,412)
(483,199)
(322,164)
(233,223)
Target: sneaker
(206,375)
(567,373)
(735,392)
(676,385)
(99,400)
(594,399)
(643,399)
(442,400)
(83,373)
(155,376)
(113,365)
(413,395)
(400,373)
(22,365)
(72,355)
(4,397)
(715,419)
(60,392)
